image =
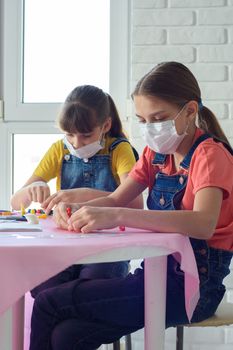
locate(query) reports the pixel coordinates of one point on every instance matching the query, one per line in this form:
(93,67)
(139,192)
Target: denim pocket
(161,200)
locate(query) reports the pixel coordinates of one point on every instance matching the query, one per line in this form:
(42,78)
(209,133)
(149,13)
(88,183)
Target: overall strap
(159,159)
(123,139)
(187,159)
(116,142)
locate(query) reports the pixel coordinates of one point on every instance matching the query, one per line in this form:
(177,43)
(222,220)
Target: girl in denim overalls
(92,160)
(188,167)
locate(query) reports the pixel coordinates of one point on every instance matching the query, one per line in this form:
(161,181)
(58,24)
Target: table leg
(155,302)
(18,325)
(6,330)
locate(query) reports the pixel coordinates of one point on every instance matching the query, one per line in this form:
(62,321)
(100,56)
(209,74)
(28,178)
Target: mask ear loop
(196,117)
(178,114)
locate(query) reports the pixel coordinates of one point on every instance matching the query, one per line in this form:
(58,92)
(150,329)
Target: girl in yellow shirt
(92,160)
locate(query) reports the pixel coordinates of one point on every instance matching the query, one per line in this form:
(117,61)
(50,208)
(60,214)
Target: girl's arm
(135,202)
(198,223)
(121,197)
(81,195)
(34,190)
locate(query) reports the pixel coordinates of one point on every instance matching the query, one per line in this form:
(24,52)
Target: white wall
(198,33)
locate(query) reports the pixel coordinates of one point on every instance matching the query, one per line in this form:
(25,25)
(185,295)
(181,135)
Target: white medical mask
(86,151)
(162,137)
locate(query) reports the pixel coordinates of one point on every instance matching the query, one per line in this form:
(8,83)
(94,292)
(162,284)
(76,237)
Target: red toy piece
(69,212)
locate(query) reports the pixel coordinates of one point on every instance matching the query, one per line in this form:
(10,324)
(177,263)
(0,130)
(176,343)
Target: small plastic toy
(5,212)
(42,216)
(32,219)
(22,209)
(69,212)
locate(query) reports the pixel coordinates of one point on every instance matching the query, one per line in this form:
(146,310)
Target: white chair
(222,317)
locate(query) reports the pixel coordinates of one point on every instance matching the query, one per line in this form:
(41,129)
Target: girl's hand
(88,219)
(65,196)
(60,215)
(75,195)
(36,192)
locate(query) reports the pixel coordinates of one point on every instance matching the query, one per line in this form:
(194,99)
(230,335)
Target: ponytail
(208,122)
(116,128)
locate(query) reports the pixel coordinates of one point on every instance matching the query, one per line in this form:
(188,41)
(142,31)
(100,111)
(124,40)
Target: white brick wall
(198,33)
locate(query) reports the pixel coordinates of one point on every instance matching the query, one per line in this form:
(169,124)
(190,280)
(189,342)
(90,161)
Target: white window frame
(14,109)
(19,118)
(7,132)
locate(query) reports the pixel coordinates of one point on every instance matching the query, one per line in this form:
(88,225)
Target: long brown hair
(87,107)
(174,83)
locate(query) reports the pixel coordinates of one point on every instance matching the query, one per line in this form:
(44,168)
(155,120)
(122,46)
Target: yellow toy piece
(42,216)
(22,209)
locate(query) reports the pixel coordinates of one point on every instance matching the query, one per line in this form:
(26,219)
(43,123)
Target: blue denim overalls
(96,173)
(213,264)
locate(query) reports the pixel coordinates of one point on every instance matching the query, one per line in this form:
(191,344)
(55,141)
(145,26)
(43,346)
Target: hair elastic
(200,105)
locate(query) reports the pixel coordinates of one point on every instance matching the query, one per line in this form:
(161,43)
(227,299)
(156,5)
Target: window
(22,146)
(73,51)
(52,46)
(27,157)
(39,69)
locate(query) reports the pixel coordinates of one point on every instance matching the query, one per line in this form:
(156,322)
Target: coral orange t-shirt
(211,166)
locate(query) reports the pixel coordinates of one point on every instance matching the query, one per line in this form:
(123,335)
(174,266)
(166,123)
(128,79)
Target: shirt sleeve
(123,158)
(212,166)
(50,164)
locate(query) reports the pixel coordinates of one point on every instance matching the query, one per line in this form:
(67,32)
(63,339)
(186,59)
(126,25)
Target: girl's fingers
(51,203)
(47,201)
(63,212)
(61,223)
(34,194)
(60,213)
(86,229)
(39,194)
(84,220)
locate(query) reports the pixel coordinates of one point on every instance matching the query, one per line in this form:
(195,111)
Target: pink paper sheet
(27,260)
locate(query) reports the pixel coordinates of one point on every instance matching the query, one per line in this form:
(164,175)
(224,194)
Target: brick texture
(198,33)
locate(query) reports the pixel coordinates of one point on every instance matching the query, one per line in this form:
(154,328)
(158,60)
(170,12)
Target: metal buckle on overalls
(181,180)
(66,156)
(162,200)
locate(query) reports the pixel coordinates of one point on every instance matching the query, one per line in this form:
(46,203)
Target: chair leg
(179,337)
(117,345)
(128,343)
